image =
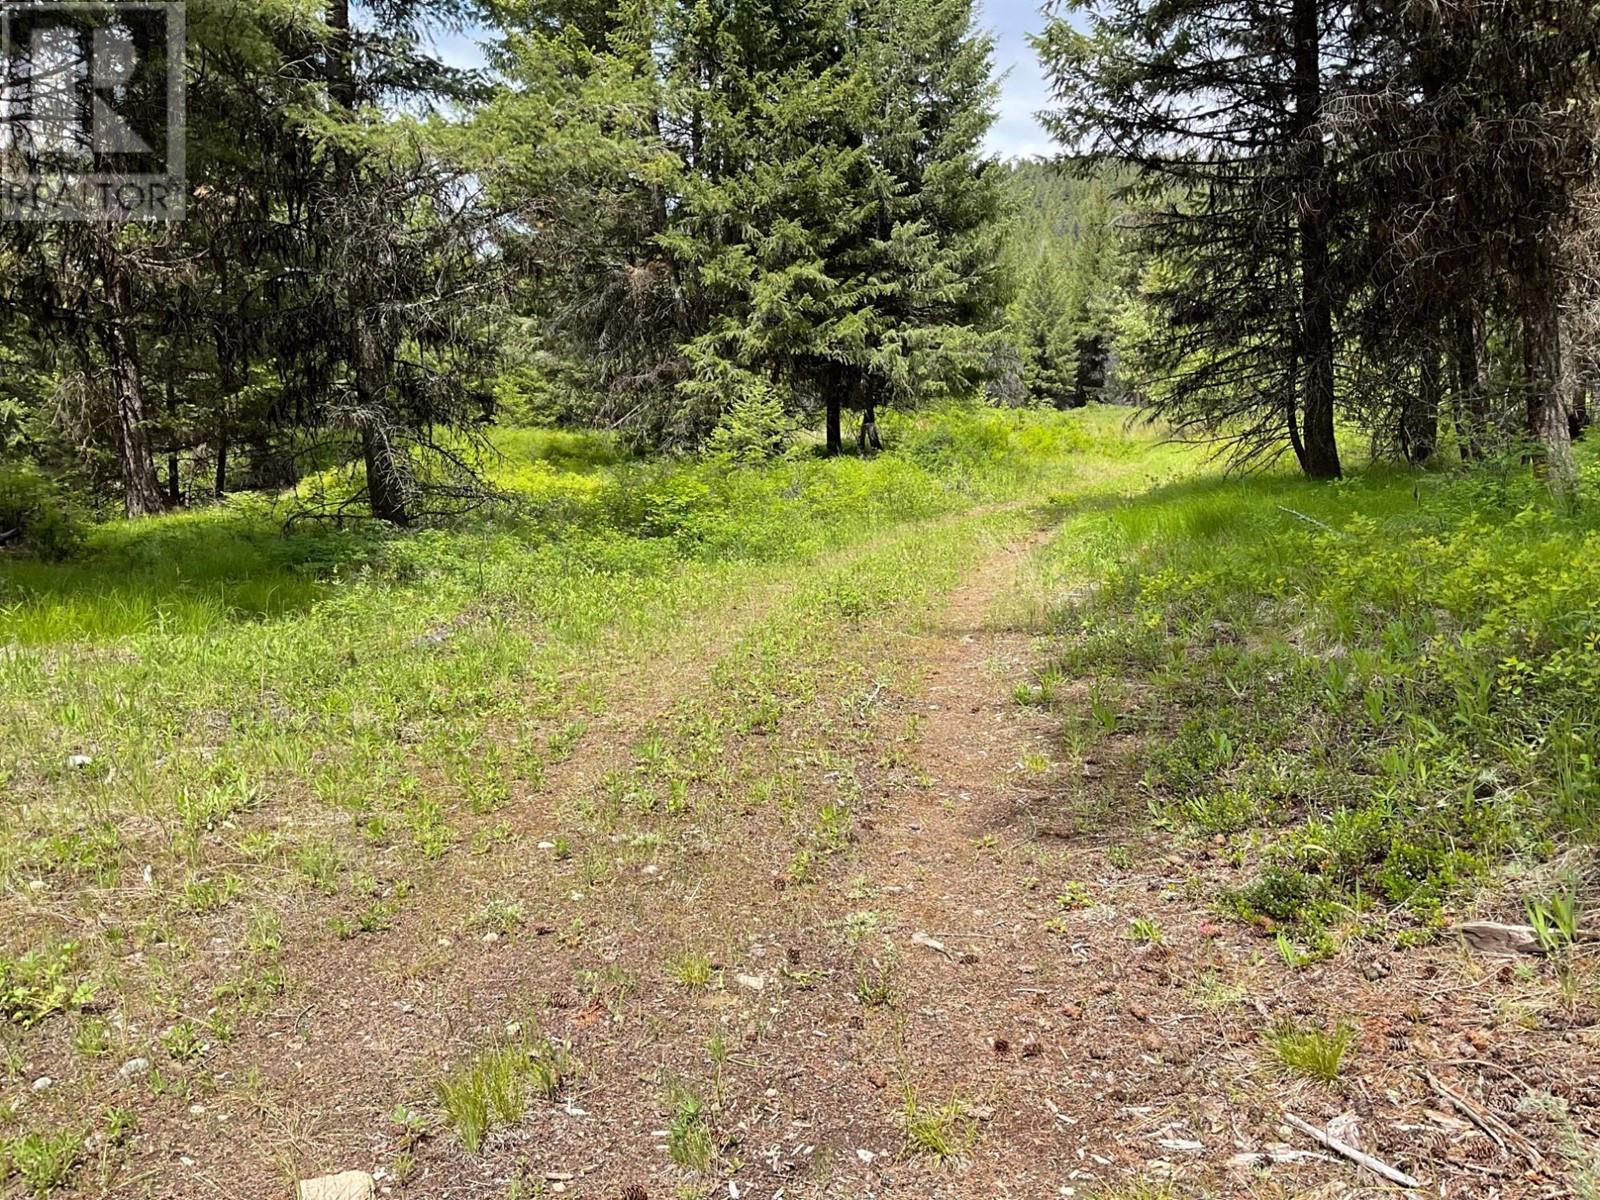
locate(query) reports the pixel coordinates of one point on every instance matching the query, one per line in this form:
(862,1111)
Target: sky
(1022,90)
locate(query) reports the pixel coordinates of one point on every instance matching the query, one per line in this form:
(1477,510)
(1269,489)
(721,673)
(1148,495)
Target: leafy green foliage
(40,982)
(37,515)
(1392,681)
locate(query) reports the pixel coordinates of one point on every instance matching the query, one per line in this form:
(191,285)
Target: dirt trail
(971,948)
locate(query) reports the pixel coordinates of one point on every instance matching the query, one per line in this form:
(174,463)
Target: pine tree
(759,196)
(1219,106)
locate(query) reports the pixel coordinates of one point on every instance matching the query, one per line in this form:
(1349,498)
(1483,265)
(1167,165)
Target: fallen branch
(1375,1165)
(1313,521)
(1485,1119)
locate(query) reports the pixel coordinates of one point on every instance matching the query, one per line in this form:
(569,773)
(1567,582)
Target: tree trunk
(1291,408)
(868,440)
(1419,422)
(835,435)
(1469,366)
(388,473)
(1541,384)
(220,488)
(141,492)
(386,491)
(1316,299)
(1574,399)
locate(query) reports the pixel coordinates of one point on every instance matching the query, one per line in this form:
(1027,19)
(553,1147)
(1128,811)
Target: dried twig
(1486,1119)
(1375,1165)
(1312,520)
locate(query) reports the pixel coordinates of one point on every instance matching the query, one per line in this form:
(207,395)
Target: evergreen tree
(1219,106)
(764,195)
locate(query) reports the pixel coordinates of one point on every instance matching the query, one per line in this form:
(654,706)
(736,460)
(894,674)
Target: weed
(875,986)
(45,1161)
(499,915)
(40,982)
(184,1041)
(92,1037)
(1309,1051)
(692,969)
(689,1139)
(942,1131)
(1074,894)
(1145,931)
(1555,922)
(493,1089)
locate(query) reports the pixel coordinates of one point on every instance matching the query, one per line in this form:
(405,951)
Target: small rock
(755,983)
(43,1083)
(133,1068)
(78,761)
(1375,970)
(866,1156)
(1491,937)
(347,1185)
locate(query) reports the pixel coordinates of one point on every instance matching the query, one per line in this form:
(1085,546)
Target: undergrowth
(1376,693)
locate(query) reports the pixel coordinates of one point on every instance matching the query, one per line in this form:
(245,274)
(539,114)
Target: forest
(644,612)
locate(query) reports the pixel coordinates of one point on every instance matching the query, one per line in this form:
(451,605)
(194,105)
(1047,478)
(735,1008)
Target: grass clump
(40,983)
(43,1162)
(689,1138)
(1306,1050)
(493,1090)
(693,970)
(940,1131)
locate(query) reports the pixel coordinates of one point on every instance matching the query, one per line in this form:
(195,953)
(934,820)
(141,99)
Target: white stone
(347,1185)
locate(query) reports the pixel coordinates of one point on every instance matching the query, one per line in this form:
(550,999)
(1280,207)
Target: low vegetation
(1376,696)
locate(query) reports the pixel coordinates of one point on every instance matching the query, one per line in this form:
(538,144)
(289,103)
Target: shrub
(755,427)
(36,515)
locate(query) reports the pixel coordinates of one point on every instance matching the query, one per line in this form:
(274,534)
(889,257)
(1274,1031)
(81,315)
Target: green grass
(1391,683)
(43,1162)
(940,1131)
(492,1091)
(690,1142)
(1306,1050)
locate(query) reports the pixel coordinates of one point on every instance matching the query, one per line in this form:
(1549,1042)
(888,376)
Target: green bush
(37,516)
